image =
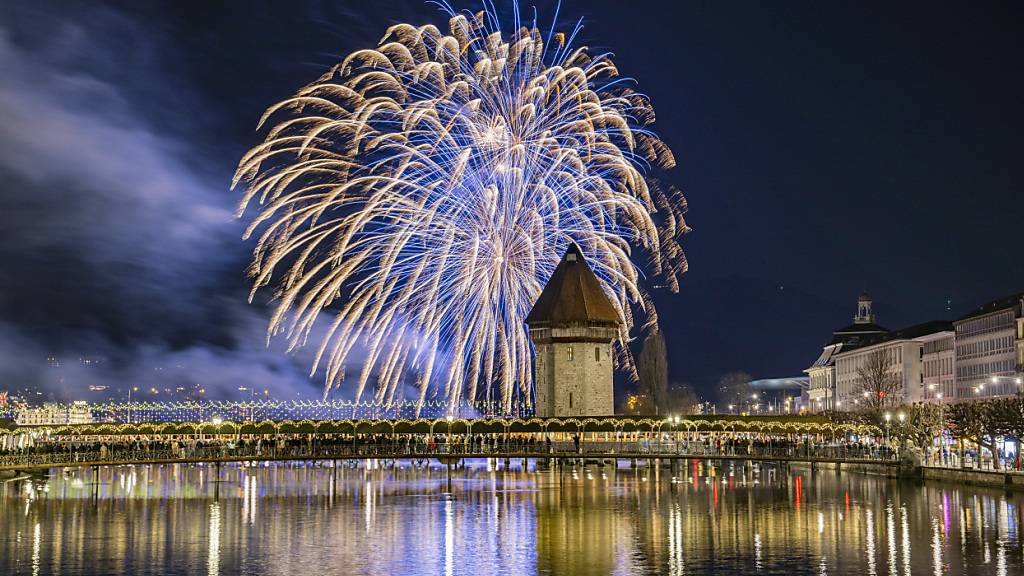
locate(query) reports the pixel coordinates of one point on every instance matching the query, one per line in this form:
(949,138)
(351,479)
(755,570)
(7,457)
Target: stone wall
(574,379)
(1009,480)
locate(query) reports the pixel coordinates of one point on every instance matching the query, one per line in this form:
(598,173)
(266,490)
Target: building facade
(572,326)
(821,383)
(904,366)
(821,391)
(988,349)
(938,366)
(54,415)
(1020,344)
(980,355)
(903,353)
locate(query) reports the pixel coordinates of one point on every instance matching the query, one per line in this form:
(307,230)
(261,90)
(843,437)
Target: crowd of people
(49,448)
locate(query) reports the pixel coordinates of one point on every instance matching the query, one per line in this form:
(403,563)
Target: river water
(305,520)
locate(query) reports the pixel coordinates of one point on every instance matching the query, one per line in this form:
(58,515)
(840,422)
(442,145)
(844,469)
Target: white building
(904,354)
(572,326)
(938,364)
(55,414)
(1020,344)
(989,350)
(821,390)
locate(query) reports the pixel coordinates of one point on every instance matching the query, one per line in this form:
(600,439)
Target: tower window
(597,353)
(568,353)
(570,399)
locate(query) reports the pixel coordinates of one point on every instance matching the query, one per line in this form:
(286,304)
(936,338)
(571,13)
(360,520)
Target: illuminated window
(569,353)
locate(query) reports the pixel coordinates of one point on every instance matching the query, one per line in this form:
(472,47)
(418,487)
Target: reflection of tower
(864,313)
(572,326)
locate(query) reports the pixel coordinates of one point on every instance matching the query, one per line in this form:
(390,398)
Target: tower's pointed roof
(573,295)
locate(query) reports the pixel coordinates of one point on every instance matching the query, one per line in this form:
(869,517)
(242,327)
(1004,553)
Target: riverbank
(872,469)
(969,476)
(965,476)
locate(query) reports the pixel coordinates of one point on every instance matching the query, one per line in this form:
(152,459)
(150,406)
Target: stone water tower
(572,326)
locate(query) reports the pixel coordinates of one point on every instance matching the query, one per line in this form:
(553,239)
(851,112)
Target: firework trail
(422,193)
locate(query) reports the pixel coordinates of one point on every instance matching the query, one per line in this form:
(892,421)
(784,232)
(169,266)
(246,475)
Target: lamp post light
(888,417)
(674,420)
(252,399)
(994,381)
(130,390)
(448,442)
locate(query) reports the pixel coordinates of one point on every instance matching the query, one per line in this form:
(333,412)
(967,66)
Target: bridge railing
(442,449)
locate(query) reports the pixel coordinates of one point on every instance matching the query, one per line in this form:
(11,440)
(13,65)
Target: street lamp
(888,417)
(130,389)
(252,399)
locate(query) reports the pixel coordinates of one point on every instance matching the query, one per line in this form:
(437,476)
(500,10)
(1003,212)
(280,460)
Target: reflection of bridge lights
(213,534)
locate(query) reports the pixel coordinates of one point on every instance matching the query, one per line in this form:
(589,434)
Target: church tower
(572,326)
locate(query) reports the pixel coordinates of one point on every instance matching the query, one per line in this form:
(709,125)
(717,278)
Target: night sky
(825,148)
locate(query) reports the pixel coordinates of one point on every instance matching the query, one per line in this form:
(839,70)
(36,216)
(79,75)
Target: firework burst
(423,191)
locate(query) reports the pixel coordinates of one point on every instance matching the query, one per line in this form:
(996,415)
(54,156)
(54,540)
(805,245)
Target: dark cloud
(116,243)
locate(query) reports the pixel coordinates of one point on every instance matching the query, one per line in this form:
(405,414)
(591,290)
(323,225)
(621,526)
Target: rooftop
(908,333)
(573,295)
(995,306)
(862,328)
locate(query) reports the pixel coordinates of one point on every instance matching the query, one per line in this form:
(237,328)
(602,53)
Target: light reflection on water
(301,519)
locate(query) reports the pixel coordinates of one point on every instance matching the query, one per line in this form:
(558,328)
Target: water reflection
(381,519)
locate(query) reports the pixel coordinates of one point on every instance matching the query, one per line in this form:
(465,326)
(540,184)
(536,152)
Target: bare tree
(734,388)
(653,371)
(876,381)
